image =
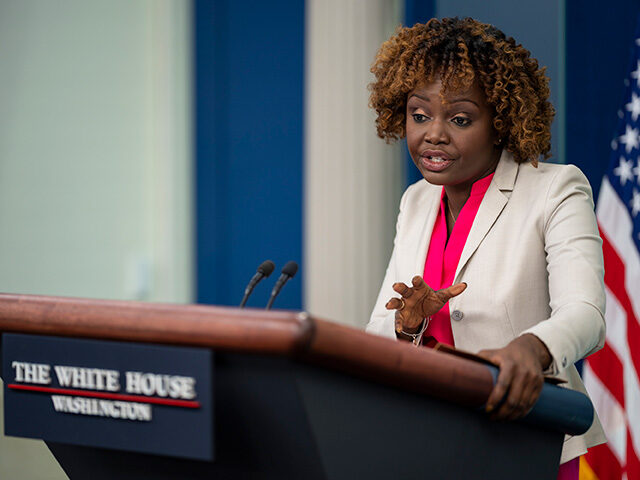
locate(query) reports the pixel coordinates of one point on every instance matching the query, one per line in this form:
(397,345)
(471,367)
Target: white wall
(95,159)
(353,180)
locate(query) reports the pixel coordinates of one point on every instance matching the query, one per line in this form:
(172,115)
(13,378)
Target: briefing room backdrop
(159,150)
(155,155)
(316,185)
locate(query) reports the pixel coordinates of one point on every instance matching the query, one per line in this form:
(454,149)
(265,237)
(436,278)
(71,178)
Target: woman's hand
(520,379)
(418,302)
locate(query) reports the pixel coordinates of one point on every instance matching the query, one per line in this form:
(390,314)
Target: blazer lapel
(430,206)
(413,251)
(493,203)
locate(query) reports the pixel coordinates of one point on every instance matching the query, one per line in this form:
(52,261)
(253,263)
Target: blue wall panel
(249,128)
(599,39)
(416,11)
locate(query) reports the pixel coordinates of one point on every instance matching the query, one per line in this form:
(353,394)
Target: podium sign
(124,396)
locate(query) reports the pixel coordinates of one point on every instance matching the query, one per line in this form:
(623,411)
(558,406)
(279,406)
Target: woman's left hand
(520,379)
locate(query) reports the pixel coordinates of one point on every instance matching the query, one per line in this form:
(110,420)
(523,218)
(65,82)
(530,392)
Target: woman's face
(451,140)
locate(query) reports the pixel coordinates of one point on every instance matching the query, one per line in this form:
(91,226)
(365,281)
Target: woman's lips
(435,164)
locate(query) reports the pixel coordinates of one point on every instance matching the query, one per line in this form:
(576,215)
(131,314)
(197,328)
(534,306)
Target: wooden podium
(301,398)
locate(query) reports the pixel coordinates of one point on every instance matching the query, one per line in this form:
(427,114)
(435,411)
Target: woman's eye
(419,118)
(461,121)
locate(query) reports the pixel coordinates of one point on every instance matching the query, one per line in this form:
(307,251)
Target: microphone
(264,270)
(288,272)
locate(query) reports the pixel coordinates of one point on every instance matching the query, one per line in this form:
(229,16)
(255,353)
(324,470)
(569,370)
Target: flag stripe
(616,339)
(614,279)
(615,222)
(616,319)
(611,414)
(633,464)
(606,364)
(624,335)
(622,269)
(603,463)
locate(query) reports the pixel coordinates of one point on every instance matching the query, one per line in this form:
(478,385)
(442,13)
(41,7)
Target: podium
(298,397)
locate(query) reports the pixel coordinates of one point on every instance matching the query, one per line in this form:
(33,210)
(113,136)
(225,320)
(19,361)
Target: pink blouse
(443,257)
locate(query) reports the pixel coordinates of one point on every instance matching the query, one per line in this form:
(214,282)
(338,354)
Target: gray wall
(94,160)
(539,27)
(95,148)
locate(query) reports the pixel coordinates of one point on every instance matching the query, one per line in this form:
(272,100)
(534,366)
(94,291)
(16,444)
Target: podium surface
(299,397)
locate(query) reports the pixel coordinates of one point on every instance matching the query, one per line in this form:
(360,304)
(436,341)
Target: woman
(493,252)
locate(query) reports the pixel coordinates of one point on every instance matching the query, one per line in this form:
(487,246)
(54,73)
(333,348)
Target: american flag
(611,375)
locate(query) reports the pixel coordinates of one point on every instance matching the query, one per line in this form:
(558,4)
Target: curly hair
(461,51)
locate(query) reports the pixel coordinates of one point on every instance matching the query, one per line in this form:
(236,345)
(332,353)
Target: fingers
(402,289)
(394,304)
(408,316)
(398,305)
(530,394)
(407,293)
(518,385)
(533,381)
(457,289)
(418,282)
(454,290)
(398,323)
(416,303)
(503,381)
(523,395)
(512,407)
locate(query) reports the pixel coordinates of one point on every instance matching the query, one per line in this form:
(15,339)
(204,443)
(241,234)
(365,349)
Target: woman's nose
(436,133)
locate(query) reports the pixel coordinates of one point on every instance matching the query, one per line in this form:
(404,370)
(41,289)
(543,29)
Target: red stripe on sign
(614,277)
(604,463)
(609,369)
(110,396)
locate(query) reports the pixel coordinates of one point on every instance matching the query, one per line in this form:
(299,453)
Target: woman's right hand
(419,302)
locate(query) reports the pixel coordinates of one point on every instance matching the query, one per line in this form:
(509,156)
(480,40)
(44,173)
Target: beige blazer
(532,263)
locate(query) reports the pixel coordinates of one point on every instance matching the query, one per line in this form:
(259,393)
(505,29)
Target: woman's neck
(456,198)
(457,195)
